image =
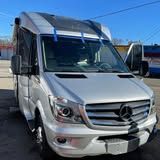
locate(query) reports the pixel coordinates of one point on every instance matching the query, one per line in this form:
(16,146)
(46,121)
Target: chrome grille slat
(102,107)
(109,123)
(108,114)
(144,105)
(102,114)
(139,116)
(138,111)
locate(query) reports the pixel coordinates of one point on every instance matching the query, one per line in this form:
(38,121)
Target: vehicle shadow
(7,93)
(22,142)
(7,100)
(149,151)
(17,142)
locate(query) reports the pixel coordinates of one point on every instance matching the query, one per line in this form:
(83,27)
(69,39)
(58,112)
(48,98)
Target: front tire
(45,151)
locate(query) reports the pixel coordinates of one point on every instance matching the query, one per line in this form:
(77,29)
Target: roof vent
(74,76)
(126,76)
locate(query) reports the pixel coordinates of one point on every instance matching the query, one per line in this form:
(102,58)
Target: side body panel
(152,56)
(23,96)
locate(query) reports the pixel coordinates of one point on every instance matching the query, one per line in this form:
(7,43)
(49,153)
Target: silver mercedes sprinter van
(75,91)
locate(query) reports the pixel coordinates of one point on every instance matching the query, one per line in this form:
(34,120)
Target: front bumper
(154,131)
(82,141)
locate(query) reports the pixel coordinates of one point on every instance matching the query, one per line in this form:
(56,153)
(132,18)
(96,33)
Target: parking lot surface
(17,143)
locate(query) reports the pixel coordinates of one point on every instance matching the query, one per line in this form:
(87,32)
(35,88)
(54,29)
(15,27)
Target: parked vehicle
(74,89)
(142,58)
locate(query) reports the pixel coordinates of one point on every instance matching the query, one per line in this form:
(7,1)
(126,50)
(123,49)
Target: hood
(98,87)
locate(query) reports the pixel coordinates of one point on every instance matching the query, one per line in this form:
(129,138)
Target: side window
(24,45)
(134,59)
(34,56)
(137,56)
(27,48)
(129,60)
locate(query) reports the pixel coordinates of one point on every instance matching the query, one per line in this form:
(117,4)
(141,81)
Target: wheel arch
(39,112)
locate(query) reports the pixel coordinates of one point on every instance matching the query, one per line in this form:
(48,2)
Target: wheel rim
(39,137)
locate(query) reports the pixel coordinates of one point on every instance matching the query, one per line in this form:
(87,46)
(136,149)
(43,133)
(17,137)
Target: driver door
(134,57)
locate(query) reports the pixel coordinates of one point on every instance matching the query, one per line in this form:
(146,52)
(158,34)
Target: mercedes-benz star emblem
(125,112)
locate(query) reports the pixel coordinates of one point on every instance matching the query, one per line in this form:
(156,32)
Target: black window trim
(77,37)
(34,37)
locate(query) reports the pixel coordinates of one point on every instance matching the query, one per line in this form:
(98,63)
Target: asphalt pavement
(17,142)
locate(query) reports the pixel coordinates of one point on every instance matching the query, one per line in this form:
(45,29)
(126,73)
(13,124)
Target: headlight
(153,107)
(64,110)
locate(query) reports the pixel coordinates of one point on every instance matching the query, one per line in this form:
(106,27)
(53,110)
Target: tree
(117,41)
(5,40)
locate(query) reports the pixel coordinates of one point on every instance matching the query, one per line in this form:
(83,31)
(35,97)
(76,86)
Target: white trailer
(142,59)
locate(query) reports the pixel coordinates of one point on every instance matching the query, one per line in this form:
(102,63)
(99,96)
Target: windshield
(75,55)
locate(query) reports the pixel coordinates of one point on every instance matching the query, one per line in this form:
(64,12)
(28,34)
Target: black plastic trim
(126,76)
(74,76)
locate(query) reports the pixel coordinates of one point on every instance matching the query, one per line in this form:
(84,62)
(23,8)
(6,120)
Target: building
(6,51)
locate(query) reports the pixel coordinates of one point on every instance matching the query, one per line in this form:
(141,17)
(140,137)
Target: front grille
(108,114)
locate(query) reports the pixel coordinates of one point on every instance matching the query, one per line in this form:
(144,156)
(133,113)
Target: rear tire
(44,149)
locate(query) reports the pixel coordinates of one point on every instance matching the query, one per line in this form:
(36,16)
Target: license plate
(120,146)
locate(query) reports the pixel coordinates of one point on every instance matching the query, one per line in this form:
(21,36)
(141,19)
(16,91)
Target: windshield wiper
(115,70)
(66,65)
(110,70)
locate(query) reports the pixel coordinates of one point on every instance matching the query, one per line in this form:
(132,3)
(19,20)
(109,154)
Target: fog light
(65,112)
(61,140)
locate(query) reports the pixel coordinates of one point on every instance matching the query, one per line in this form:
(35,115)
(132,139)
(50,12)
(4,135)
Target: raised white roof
(43,23)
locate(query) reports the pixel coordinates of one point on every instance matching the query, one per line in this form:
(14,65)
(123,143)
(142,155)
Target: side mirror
(16,64)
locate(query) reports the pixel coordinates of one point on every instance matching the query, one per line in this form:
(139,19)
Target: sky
(135,25)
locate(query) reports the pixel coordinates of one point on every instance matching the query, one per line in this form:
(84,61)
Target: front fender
(39,106)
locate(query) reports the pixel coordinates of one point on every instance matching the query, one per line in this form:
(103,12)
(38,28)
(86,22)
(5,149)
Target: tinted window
(34,56)
(73,55)
(24,42)
(27,48)
(134,58)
